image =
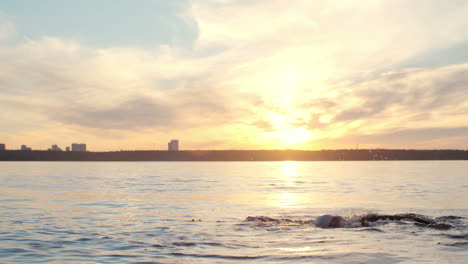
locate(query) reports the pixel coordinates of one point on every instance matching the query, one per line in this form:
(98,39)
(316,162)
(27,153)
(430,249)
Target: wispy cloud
(335,69)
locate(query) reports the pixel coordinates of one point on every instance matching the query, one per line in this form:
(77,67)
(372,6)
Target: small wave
(146,262)
(15,200)
(351,257)
(106,204)
(184,244)
(448,217)
(130,247)
(65,242)
(36,245)
(14,250)
(462,236)
(371,230)
(45,233)
(456,244)
(191,244)
(213,244)
(157,246)
(121,256)
(216,256)
(305,257)
(84,239)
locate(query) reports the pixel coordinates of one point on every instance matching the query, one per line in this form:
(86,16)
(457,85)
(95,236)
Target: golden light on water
(288,200)
(289,179)
(290,170)
(299,249)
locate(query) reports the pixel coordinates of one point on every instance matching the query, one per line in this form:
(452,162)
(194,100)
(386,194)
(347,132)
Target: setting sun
(287,129)
(293,136)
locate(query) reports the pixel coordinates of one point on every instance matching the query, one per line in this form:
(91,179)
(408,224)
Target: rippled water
(176,212)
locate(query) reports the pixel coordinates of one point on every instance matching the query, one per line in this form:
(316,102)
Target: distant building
(173,145)
(2,147)
(67,149)
(25,148)
(55,148)
(78,147)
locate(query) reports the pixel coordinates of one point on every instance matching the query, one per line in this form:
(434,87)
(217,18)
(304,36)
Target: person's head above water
(330,221)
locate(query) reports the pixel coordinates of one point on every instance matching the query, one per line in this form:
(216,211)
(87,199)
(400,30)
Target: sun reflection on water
(299,249)
(290,170)
(289,180)
(288,200)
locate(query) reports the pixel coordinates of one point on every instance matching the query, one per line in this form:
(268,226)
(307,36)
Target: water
(176,212)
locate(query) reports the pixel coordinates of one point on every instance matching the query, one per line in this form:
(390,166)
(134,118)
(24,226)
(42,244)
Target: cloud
(423,138)
(111,89)
(334,68)
(130,115)
(7,29)
(332,36)
(417,90)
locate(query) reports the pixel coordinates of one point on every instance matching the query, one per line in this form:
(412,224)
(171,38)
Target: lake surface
(195,212)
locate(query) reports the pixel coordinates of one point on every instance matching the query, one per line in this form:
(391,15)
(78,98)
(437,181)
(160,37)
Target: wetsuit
(419,219)
(338,221)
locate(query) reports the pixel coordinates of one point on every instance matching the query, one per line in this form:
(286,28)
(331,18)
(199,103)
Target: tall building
(78,147)
(55,148)
(2,147)
(173,145)
(67,149)
(25,148)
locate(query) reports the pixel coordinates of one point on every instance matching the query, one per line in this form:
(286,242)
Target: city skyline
(54,147)
(224,74)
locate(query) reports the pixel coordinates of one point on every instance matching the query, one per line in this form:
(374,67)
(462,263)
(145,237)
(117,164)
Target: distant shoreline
(237,155)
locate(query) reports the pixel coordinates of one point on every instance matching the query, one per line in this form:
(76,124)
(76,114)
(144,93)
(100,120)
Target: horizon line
(191,150)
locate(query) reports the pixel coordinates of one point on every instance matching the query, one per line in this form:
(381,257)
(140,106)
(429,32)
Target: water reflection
(142,212)
(298,249)
(290,170)
(288,177)
(289,200)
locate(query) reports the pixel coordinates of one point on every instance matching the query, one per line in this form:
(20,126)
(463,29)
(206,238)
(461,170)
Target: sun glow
(290,169)
(286,130)
(293,136)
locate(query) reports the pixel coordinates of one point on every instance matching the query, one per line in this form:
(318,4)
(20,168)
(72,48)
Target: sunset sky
(234,74)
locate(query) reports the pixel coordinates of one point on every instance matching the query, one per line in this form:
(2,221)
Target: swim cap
(323,221)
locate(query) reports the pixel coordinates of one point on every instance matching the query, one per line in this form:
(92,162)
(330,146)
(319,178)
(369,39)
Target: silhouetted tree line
(237,155)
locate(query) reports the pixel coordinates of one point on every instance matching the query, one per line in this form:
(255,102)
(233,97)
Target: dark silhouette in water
(330,221)
(420,220)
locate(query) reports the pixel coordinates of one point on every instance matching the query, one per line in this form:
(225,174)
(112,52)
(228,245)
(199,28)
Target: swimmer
(336,221)
(330,221)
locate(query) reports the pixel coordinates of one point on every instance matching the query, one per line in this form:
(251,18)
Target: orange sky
(255,75)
